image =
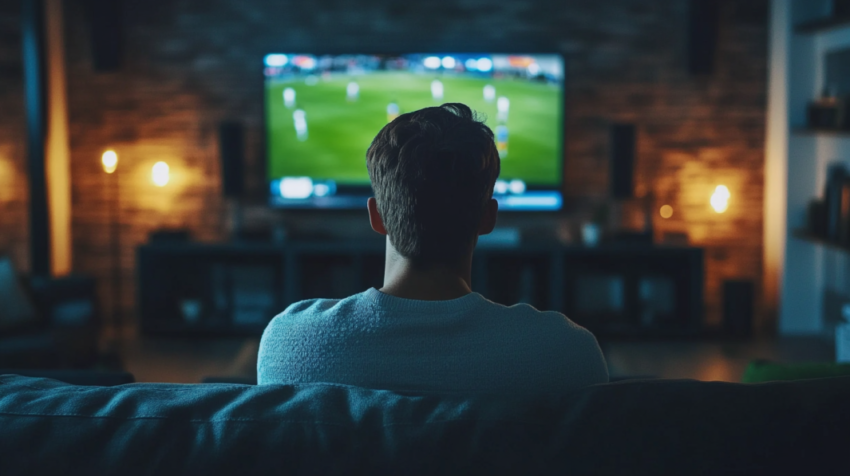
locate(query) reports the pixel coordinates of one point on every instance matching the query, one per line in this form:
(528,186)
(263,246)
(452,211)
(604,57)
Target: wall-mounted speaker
(231,136)
(622,164)
(703,27)
(107,34)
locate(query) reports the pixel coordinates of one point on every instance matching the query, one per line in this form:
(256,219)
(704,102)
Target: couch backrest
(637,427)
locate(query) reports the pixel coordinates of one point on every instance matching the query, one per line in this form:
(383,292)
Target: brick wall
(14,219)
(192,63)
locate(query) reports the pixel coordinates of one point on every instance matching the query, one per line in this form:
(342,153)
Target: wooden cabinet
(194,288)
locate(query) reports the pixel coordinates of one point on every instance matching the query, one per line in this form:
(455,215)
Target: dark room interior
(674,178)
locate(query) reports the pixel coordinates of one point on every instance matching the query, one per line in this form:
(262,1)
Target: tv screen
(322,112)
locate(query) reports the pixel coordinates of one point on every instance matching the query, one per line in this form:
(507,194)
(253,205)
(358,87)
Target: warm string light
(720,199)
(160,174)
(666,211)
(109,159)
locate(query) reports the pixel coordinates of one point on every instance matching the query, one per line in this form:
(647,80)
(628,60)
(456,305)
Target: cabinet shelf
(826,132)
(805,235)
(822,24)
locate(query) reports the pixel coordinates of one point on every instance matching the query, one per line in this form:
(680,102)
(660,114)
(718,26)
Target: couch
(653,427)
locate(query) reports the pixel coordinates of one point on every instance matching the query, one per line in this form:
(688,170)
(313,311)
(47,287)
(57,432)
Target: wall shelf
(821,25)
(826,132)
(805,235)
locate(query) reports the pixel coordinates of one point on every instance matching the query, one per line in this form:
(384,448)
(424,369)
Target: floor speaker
(841,8)
(703,26)
(105,21)
(738,308)
(232,150)
(623,142)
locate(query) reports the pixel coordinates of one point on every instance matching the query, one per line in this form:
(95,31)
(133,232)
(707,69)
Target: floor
(192,360)
(709,360)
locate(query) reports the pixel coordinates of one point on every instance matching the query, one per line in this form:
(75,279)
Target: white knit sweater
(464,346)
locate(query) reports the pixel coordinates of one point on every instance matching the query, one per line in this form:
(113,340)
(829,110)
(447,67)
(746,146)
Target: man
(425,331)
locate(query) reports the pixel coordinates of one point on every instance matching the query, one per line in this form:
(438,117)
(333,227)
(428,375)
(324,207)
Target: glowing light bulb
(666,211)
(720,199)
(109,159)
(160,174)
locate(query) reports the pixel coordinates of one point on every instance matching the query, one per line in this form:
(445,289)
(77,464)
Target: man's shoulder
(536,321)
(313,308)
(524,310)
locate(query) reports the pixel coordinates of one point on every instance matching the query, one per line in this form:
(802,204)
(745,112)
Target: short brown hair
(432,173)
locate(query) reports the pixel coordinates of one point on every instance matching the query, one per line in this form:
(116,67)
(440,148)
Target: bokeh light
(109,159)
(720,199)
(160,174)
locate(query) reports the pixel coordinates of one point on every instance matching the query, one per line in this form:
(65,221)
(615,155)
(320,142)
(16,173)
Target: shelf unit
(220,289)
(804,36)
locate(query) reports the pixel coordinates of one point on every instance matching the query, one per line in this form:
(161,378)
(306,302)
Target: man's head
(433,172)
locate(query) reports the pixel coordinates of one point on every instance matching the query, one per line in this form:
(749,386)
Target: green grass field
(340,131)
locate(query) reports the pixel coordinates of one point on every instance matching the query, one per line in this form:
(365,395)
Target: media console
(236,288)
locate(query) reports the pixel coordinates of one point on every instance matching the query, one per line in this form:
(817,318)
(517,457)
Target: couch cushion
(636,427)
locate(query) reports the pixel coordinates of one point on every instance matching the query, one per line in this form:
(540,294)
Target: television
(322,112)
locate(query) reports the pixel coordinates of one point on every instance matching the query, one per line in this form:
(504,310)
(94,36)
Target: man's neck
(433,283)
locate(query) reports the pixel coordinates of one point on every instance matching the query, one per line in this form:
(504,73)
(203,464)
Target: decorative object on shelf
(590,234)
(828,112)
(816,218)
(191,310)
(837,196)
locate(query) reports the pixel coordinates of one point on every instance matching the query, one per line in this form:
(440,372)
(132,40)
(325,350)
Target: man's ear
(488,221)
(374,217)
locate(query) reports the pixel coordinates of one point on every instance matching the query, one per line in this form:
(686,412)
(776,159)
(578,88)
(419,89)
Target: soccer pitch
(340,130)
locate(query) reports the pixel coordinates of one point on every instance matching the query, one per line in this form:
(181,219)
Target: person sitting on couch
(425,331)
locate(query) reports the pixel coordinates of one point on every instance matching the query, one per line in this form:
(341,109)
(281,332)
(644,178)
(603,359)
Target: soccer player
(392,111)
(437,90)
(489,93)
(502,140)
(289,98)
(424,331)
(503,105)
(299,117)
(352,91)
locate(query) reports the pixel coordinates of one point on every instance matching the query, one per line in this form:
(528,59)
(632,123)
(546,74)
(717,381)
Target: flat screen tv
(322,112)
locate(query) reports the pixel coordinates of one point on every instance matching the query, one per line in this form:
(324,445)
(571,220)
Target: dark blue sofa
(635,427)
